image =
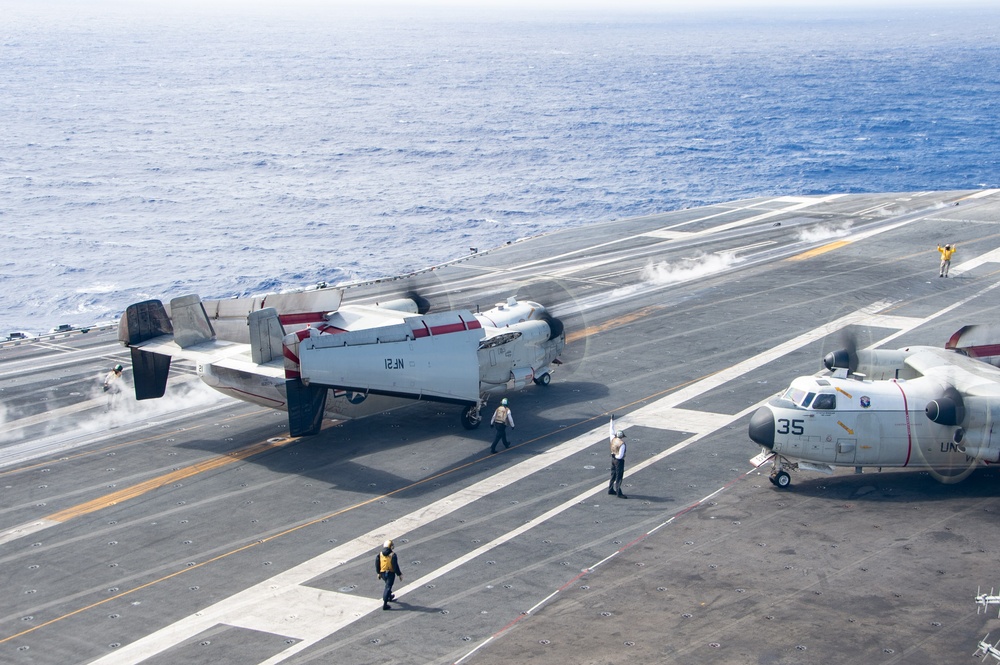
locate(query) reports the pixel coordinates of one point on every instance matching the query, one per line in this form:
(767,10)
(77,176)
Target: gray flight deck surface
(192,530)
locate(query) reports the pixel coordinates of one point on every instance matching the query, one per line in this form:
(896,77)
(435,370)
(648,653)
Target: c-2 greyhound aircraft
(919,406)
(372,358)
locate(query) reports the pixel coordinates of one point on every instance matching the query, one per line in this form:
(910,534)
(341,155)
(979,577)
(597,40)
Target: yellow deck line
(819,250)
(614,323)
(147,486)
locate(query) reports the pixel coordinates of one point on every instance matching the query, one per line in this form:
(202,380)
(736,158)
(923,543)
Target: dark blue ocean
(156,153)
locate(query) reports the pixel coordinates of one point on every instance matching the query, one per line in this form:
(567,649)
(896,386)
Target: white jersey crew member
(617,438)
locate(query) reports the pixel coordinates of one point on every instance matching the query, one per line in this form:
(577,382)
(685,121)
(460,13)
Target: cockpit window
(794,395)
(798,397)
(825,401)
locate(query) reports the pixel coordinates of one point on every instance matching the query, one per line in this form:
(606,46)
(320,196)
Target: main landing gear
(471,414)
(471,417)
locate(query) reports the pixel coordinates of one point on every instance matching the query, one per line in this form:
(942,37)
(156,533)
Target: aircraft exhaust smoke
(656,275)
(822,232)
(91,415)
(180,396)
(689,270)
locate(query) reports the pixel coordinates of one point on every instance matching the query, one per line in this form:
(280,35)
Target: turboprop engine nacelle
(508,360)
(987,454)
(885,364)
(978,443)
(513,311)
(976,438)
(878,364)
(981,413)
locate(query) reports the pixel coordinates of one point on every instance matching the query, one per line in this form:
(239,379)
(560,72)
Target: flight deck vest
(616,445)
(385,563)
(501,415)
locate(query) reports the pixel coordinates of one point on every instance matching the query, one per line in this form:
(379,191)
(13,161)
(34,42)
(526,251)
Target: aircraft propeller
(845,357)
(555,325)
(948,409)
(423,304)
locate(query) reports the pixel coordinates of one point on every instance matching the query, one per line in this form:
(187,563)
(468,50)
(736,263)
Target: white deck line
(327,612)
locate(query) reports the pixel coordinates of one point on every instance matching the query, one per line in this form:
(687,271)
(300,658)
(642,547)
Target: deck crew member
(617,460)
(113,385)
(501,418)
(946,253)
(387,568)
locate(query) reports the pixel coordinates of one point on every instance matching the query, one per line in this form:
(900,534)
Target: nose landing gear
(781,478)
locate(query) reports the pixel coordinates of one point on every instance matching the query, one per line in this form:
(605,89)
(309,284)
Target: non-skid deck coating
(192,529)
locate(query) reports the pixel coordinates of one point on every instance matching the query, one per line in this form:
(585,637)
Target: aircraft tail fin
(142,322)
(266,333)
(306,405)
(149,373)
(191,324)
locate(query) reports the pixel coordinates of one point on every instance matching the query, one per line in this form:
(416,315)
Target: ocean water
(152,154)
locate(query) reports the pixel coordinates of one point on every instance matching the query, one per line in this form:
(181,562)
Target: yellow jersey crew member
(946,253)
(387,568)
(617,438)
(501,418)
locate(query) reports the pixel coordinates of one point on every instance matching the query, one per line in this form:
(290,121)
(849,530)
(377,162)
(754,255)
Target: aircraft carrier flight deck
(194,529)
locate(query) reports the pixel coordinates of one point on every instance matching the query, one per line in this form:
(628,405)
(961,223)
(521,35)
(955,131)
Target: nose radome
(762,427)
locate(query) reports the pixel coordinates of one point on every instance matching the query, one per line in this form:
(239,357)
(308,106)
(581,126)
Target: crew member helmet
(620,434)
(387,544)
(503,402)
(118,368)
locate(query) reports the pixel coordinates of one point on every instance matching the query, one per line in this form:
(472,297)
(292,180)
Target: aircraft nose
(762,427)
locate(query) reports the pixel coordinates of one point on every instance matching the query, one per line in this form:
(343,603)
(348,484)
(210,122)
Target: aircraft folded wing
(968,375)
(977,341)
(361,317)
(229,316)
(984,390)
(433,356)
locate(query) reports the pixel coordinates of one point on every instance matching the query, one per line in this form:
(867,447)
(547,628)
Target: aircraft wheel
(782,479)
(544,379)
(471,417)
